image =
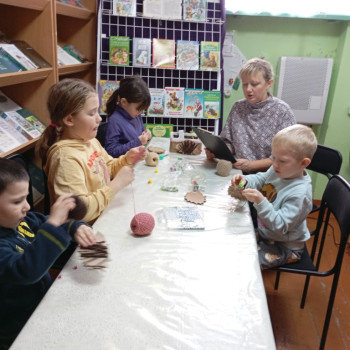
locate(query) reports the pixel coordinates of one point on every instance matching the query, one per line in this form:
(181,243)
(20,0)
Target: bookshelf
(43,24)
(213,29)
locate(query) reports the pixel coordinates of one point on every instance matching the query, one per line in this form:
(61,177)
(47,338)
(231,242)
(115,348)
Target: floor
(300,329)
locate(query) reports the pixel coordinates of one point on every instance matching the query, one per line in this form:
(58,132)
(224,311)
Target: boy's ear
(68,120)
(305,162)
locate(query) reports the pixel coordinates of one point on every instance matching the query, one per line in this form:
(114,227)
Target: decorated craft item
(198,181)
(152,159)
(79,211)
(158,150)
(142,224)
(223,167)
(95,256)
(185,143)
(236,192)
(195,197)
(188,147)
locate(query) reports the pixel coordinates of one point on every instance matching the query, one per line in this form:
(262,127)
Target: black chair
(101,133)
(326,161)
(20,158)
(336,202)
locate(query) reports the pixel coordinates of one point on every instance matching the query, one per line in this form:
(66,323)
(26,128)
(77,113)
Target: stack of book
(17,125)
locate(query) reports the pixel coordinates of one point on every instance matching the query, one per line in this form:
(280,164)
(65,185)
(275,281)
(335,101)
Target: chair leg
(329,310)
(277,279)
(306,287)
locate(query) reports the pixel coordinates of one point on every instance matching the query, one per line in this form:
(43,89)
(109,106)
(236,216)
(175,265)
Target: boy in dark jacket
(29,244)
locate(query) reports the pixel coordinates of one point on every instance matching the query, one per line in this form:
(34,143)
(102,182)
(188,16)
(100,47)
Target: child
(74,161)
(282,196)
(125,127)
(29,244)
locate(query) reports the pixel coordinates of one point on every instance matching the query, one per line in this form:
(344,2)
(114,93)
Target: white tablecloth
(173,289)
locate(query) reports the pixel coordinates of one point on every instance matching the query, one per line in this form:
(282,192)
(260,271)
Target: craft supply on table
(142,224)
(183,218)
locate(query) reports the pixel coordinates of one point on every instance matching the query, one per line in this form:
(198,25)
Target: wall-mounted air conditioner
(303,82)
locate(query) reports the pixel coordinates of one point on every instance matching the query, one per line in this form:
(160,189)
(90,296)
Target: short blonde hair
(255,65)
(300,139)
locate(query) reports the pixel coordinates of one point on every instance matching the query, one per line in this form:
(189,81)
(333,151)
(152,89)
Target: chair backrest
(326,161)
(18,157)
(336,201)
(101,133)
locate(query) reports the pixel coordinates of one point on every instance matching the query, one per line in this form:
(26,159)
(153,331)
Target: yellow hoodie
(84,169)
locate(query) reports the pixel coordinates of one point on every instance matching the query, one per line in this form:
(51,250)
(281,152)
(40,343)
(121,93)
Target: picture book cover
(210,55)
(8,64)
(194,103)
(105,90)
(32,119)
(163,53)
(119,50)
(160,130)
(64,58)
(168,9)
(18,122)
(212,104)
(174,101)
(19,56)
(7,142)
(141,52)
(124,7)
(194,10)
(14,132)
(156,108)
(6,104)
(187,55)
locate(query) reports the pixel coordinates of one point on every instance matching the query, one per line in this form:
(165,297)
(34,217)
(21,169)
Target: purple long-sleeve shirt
(122,132)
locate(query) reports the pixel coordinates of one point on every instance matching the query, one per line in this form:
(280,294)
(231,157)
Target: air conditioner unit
(303,82)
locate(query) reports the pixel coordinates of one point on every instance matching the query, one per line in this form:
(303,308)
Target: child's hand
(237,179)
(60,209)
(84,236)
(136,154)
(123,178)
(145,136)
(253,195)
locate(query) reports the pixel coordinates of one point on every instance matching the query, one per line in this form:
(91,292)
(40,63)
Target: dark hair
(66,97)
(11,171)
(134,89)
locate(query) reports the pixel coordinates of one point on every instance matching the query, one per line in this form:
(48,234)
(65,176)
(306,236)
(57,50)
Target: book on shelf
(6,104)
(212,104)
(7,141)
(210,55)
(76,3)
(19,56)
(194,10)
(19,123)
(167,9)
(163,53)
(64,58)
(160,130)
(156,108)
(194,103)
(174,101)
(73,51)
(105,90)
(31,53)
(119,50)
(16,134)
(124,7)
(187,55)
(8,64)
(141,52)
(32,119)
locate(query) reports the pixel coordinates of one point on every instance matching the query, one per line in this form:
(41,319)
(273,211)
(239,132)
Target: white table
(169,290)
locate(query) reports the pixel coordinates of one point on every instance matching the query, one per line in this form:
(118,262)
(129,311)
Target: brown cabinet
(43,24)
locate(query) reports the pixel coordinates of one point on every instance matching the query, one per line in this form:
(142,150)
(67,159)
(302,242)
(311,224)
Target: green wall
(273,37)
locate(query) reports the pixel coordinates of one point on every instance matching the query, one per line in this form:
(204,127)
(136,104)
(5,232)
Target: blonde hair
(255,65)
(299,139)
(66,97)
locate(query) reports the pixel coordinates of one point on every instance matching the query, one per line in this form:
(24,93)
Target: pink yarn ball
(142,224)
